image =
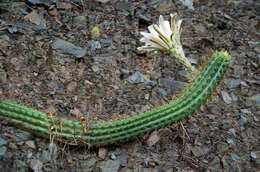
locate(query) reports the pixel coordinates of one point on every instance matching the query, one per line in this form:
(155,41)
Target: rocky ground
(79,58)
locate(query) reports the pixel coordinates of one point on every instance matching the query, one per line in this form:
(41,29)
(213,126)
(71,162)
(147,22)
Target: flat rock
(232,83)
(69,48)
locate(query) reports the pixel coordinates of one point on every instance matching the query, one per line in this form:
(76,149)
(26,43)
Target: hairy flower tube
(166,37)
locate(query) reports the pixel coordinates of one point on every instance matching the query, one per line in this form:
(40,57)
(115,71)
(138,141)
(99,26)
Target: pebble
(153,139)
(87,164)
(161,92)
(19,166)
(35,18)
(254,100)
(109,166)
(232,83)
(242,121)
(253,155)
(2,150)
(69,48)
(233,131)
(95,68)
(2,141)
(235,157)
(225,96)
(138,78)
(31,144)
(102,152)
(230,141)
(171,85)
(36,165)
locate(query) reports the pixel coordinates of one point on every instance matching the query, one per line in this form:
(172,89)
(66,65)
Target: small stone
(95,68)
(76,112)
(102,152)
(72,86)
(12,146)
(137,78)
(225,96)
(19,166)
(171,85)
(2,141)
(199,151)
(222,147)
(113,156)
(253,155)
(69,48)
(87,164)
(63,5)
(254,100)
(2,150)
(233,131)
(31,144)
(242,121)
(235,157)
(36,165)
(230,141)
(161,92)
(153,139)
(35,18)
(109,166)
(232,83)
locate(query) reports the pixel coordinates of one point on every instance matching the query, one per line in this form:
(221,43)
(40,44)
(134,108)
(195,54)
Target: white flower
(164,36)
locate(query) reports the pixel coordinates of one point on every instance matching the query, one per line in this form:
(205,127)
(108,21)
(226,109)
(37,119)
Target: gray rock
(225,96)
(2,150)
(69,48)
(36,165)
(109,166)
(232,83)
(185,74)
(105,58)
(95,68)
(199,150)
(5,37)
(161,92)
(233,131)
(230,141)
(35,18)
(171,85)
(235,157)
(242,121)
(79,20)
(86,164)
(19,166)
(138,78)
(254,100)
(214,165)
(31,144)
(94,45)
(253,155)
(123,158)
(2,141)
(222,147)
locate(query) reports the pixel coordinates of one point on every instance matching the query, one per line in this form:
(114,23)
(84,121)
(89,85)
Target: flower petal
(154,39)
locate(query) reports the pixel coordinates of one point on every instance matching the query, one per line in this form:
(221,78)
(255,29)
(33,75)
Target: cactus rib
(77,132)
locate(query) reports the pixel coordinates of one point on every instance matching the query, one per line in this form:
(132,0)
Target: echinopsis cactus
(166,37)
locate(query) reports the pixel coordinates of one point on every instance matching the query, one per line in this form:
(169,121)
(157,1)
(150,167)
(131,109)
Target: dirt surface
(80,58)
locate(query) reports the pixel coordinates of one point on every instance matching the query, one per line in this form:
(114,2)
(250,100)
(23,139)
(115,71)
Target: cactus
(77,132)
